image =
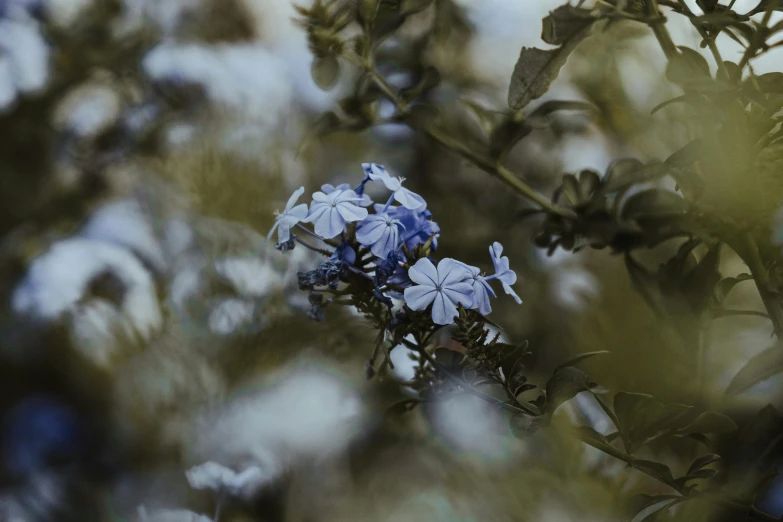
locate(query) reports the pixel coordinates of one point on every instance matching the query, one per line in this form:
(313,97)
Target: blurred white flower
(24,60)
(170,515)
(249,276)
(123,223)
(89,110)
(219,478)
(307,414)
(231,315)
(58,280)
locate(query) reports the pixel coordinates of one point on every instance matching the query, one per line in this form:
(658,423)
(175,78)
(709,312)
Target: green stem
(747,249)
(483,162)
(659,29)
(758,38)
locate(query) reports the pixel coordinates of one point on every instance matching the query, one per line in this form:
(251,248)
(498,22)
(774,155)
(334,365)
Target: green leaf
(726,285)
(642,419)
(770,82)
(654,203)
(687,155)
(759,368)
(712,422)
(429,79)
(523,426)
(732,72)
(655,469)
(408,7)
(646,505)
(701,462)
(564,385)
(565,22)
(326,71)
(536,69)
(592,438)
(579,358)
(687,67)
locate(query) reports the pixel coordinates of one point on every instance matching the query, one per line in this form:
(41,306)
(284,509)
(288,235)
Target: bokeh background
(148,326)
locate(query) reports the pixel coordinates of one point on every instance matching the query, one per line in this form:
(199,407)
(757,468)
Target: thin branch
(660,30)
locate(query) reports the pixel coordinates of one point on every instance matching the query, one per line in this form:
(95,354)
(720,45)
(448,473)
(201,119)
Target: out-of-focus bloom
(502,271)
(403,196)
(381,233)
(444,287)
(331,212)
(289,217)
(219,478)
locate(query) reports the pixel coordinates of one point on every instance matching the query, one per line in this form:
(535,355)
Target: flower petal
(370,231)
(299,212)
(283,231)
(510,291)
(451,271)
(316,211)
(419,297)
(321,197)
(409,199)
(443,310)
(424,273)
(460,293)
(292,200)
(329,224)
(272,230)
(351,212)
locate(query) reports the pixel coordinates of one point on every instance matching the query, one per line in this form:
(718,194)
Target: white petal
(443,310)
(299,212)
(321,197)
(316,211)
(481,298)
(272,230)
(330,224)
(424,273)
(408,199)
(351,212)
(284,231)
(419,297)
(292,200)
(510,291)
(385,244)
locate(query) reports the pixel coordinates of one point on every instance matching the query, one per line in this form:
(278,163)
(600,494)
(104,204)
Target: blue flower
(366,201)
(444,287)
(502,271)
(290,217)
(330,212)
(481,290)
(418,225)
(403,196)
(381,233)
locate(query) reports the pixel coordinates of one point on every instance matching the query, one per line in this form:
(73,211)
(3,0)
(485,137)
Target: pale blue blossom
(328,188)
(444,287)
(418,225)
(481,290)
(329,213)
(403,196)
(502,271)
(289,217)
(381,233)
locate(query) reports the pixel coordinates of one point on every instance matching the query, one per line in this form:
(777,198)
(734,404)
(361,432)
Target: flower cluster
(386,250)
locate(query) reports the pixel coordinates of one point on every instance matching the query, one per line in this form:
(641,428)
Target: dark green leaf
(422,115)
(757,369)
(536,69)
(687,155)
(687,67)
(712,422)
(429,79)
(326,71)
(654,469)
(653,203)
(579,358)
(564,385)
(727,284)
(592,438)
(701,462)
(408,7)
(770,82)
(643,506)
(732,70)
(564,22)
